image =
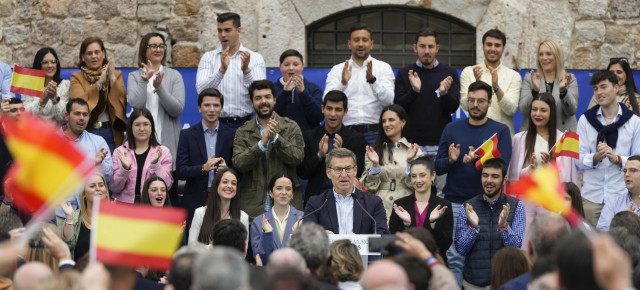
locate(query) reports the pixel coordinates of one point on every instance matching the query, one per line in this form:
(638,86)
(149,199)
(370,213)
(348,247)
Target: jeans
(107,134)
(455,260)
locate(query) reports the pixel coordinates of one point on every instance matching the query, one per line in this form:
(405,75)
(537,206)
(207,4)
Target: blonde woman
(346,264)
(551,77)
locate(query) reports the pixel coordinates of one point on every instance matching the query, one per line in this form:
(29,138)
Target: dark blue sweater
(463,180)
(305,108)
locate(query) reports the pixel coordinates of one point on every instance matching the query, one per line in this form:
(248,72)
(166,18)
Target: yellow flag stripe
(143,237)
(569,144)
(28,82)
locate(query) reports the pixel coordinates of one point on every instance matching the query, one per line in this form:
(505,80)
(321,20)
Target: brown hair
(508,263)
(83,48)
(142,50)
(346,263)
(40,254)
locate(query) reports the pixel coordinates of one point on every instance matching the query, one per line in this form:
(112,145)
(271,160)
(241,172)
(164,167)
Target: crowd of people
(273,169)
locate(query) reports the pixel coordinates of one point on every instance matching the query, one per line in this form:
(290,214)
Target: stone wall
(590,31)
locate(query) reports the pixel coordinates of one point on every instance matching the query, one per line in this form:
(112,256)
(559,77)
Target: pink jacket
(566,165)
(123,182)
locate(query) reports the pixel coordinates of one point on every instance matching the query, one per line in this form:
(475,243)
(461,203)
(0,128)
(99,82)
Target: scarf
(91,75)
(608,133)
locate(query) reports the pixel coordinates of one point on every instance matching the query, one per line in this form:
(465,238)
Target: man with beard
(462,175)
(367,82)
(488,223)
(504,81)
(263,146)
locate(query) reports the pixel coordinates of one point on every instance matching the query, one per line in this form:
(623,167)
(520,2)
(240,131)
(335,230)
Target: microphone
(317,209)
(375,225)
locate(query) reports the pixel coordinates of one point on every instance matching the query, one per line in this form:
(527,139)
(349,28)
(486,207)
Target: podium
(361,241)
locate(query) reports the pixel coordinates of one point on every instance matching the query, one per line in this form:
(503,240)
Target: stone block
(589,30)
(125,56)
(187,7)
(24,56)
(616,33)
(95,28)
(155,12)
(68,55)
(470,11)
(6,54)
(279,29)
(6,8)
(17,34)
(624,9)
(106,9)
(81,8)
(46,32)
(185,55)
(128,8)
(183,29)
(72,31)
(122,31)
(608,51)
(311,11)
(55,8)
(503,17)
(593,9)
(576,59)
(27,10)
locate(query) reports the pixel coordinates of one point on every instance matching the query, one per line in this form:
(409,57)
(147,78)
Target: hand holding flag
(488,150)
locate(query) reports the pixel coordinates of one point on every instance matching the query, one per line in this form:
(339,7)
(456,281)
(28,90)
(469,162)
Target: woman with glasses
(551,77)
(101,85)
(159,89)
(55,92)
(139,158)
(386,162)
(620,66)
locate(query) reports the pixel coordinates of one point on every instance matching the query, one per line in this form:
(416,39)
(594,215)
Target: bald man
(30,275)
(385,274)
(286,258)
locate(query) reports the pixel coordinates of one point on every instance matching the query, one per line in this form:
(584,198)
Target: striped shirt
(233,84)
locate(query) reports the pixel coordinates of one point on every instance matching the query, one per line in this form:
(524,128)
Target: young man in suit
(341,210)
(203,149)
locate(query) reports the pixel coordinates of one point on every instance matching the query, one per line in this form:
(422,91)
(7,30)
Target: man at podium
(344,209)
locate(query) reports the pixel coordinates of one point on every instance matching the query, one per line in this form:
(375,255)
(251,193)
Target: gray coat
(565,108)
(171,97)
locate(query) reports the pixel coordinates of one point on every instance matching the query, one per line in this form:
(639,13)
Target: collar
(273,212)
(241,48)
(599,112)
(64,127)
(364,64)
(258,123)
(484,66)
(494,201)
(435,64)
(205,129)
(339,197)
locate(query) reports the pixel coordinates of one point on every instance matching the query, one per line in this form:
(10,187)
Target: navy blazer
(327,217)
(265,243)
(192,154)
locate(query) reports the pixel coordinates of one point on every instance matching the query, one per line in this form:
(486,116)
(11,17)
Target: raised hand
(632,207)
(468,158)
(370,70)
(111,69)
(454,153)
(100,155)
(288,86)
(221,164)
(472,217)
(67,209)
(494,77)
(266,226)
(533,160)
(337,141)
(224,60)
(413,150)
(246,57)
(415,81)
(477,72)
(296,224)
(605,151)
(157,82)
(156,156)
(373,156)
(55,246)
(299,82)
(346,73)
(211,163)
(402,214)
(546,158)
(564,83)
(446,84)
(412,245)
(535,80)
(124,159)
(437,213)
(504,214)
(51,90)
(5,105)
(323,146)
(147,70)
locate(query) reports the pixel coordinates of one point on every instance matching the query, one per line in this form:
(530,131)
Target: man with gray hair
(312,242)
(222,268)
(286,258)
(344,209)
(545,231)
(182,265)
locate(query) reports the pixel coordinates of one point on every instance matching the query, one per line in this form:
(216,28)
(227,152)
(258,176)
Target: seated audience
(286,259)
(230,233)
(346,264)
(140,157)
(220,268)
(574,263)
(417,270)
(312,242)
(508,263)
(154,192)
(55,92)
(626,201)
(385,274)
(182,266)
(628,220)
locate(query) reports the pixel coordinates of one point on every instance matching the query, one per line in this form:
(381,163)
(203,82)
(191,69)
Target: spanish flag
(47,168)
(488,150)
(543,187)
(27,81)
(568,145)
(136,235)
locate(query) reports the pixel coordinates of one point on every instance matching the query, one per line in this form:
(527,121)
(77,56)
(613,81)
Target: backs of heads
(222,268)
(231,233)
(573,258)
(312,242)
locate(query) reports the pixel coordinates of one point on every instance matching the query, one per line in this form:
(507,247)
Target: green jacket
(284,155)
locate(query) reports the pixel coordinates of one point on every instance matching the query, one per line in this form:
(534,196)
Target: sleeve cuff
(66,262)
(374,170)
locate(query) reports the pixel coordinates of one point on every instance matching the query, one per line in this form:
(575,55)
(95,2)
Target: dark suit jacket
(327,217)
(315,169)
(192,154)
(443,233)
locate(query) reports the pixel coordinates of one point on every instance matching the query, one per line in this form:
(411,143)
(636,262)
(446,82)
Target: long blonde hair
(557,52)
(84,214)
(40,254)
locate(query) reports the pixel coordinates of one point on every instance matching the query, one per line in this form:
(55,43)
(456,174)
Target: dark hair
(480,85)
(427,162)
(634,157)
(291,52)
(628,220)
(382,140)
(8,222)
(212,213)
(83,48)
(14,100)
(506,264)
(231,233)
(532,132)
(181,271)
(336,97)
(426,237)
(417,270)
(224,17)
(261,85)
(425,32)
(135,114)
(495,33)
(574,260)
(629,83)
(627,241)
(272,182)
(210,92)
(144,195)
(142,50)
(359,26)
(576,198)
(542,265)
(603,75)
(78,101)
(37,62)
(496,163)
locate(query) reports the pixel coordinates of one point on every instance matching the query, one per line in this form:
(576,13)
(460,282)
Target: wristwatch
(496,89)
(372,80)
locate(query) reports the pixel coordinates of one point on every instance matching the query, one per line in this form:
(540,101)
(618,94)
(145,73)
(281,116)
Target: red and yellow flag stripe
(488,150)
(27,81)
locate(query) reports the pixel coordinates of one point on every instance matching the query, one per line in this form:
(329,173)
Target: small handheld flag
(488,150)
(27,81)
(568,145)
